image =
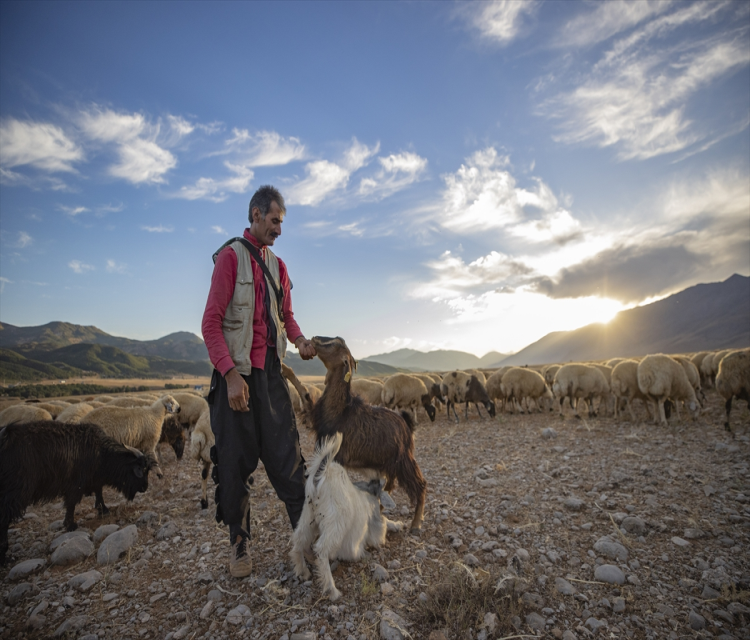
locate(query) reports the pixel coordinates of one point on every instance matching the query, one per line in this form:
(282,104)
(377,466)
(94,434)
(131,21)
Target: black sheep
(42,461)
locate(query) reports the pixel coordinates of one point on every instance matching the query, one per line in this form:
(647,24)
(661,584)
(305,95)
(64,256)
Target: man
(246,325)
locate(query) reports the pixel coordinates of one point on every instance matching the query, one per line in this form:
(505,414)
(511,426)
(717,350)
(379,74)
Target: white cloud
(3,282)
(44,146)
(116,267)
(219,190)
(606,19)
(141,159)
(397,172)
(110,208)
(500,20)
(80,267)
(72,211)
(325,177)
(637,97)
(264,148)
(24,240)
(159,229)
(219,230)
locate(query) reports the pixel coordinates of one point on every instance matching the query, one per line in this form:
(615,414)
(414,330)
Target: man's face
(267,229)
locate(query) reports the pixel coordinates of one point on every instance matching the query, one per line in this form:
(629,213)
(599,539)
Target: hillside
(438,360)
(315,367)
(706,316)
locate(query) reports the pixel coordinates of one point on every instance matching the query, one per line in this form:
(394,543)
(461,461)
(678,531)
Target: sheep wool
(191,408)
(23,413)
(661,377)
(575,381)
(733,380)
(201,441)
(74,413)
(521,385)
(404,391)
(625,387)
(371,391)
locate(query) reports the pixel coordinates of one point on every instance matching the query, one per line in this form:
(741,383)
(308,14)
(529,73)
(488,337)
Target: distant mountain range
(703,317)
(706,316)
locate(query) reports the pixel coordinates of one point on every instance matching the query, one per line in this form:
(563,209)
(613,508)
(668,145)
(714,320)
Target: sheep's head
(170,403)
(334,354)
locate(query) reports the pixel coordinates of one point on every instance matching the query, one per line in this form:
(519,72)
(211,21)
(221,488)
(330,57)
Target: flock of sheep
(662,383)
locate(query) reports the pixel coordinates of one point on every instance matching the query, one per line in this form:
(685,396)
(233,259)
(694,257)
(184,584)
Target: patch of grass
(369,586)
(460,600)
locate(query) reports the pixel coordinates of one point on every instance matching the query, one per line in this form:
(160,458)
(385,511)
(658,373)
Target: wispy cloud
(219,190)
(325,177)
(140,157)
(80,267)
(263,148)
(3,282)
(72,211)
(637,97)
(116,267)
(501,20)
(219,230)
(397,171)
(24,240)
(41,145)
(159,229)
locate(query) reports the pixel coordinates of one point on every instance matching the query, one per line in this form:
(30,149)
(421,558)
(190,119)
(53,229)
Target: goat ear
(138,471)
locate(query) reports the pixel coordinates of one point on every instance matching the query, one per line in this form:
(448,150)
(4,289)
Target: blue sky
(461,176)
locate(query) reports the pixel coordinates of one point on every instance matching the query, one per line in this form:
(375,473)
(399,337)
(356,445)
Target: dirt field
(535,525)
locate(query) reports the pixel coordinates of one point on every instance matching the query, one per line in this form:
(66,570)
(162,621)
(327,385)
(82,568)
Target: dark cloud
(626,273)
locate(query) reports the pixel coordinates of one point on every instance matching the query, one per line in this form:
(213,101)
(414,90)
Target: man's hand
(238,392)
(305,348)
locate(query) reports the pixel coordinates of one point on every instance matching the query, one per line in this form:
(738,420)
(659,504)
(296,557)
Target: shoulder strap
(262,264)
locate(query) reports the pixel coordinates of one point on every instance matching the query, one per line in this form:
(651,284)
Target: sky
(466,176)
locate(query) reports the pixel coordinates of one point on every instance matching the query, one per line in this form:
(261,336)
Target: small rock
(594,624)
(206,577)
(380,573)
(609,573)
(392,626)
(710,594)
(103,531)
(611,549)
(117,544)
(635,525)
(208,609)
(71,624)
(181,632)
(536,621)
(147,517)
(387,589)
(693,534)
(238,614)
(72,551)
(471,560)
(679,542)
(549,433)
(67,536)
(564,587)
(169,530)
(84,581)
(26,568)
(19,591)
(696,621)
(574,504)
(618,605)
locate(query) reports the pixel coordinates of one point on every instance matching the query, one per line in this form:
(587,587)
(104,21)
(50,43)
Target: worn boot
(240,564)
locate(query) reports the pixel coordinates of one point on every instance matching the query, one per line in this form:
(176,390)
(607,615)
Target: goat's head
(136,476)
(334,353)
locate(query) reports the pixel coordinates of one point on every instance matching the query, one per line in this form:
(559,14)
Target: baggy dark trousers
(267,432)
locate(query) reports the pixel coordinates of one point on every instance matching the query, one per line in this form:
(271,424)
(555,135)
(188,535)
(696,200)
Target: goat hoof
(204,504)
(103,511)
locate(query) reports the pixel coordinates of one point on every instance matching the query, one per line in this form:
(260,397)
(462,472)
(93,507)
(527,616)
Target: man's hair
(263,198)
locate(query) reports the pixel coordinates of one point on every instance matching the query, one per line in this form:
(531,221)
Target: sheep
(613,362)
(706,369)
(480,376)
(191,408)
(606,397)
(129,402)
(574,381)
(296,400)
(42,461)
(433,388)
(375,438)
(694,377)
(201,441)
(476,393)
(549,373)
(661,377)
(53,408)
(733,379)
(74,413)
(453,388)
(22,413)
(371,391)
(103,399)
(523,384)
(404,391)
(173,433)
(625,387)
(138,427)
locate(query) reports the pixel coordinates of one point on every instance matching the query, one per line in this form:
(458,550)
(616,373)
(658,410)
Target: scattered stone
(117,544)
(574,504)
(609,573)
(594,624)
(169,530)
(147,518)
(611,549)
(72,551)
(206,577)
(471,560)
(536,621)
(208,609)
(68,535)
(181,632)
(693,534)
(696,621)
(103,531)
(380,573)
(26,568)
(76,623)
(84,581)
(618,605)
(564,587)
(549,433)
(679,542)
(635,525)
(238,615)
(392,626)
(19,592)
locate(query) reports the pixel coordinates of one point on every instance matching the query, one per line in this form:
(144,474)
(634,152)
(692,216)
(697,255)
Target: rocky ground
(535,526)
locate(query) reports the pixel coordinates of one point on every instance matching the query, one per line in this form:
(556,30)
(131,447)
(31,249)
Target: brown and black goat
(374,438)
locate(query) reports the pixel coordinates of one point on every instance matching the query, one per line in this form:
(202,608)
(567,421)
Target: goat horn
(134,450)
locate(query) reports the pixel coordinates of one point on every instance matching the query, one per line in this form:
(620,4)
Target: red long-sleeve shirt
(220,295)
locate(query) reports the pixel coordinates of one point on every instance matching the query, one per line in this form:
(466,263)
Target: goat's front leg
(99,503)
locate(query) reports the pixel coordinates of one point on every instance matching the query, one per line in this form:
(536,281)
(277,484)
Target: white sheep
(733,379)
(549,373)
(54,408)
(201,441)
(130,402)
(625,387)
(453,387)
(74,413)
(104,399)
(521,385)
(694,377)
(433,388)
(192,407)
(607,398)
(23,413)
(613,362)
(575,381)
(404,391)
(371,391)
(480,376)
(495,389)
(138,427)
(661,377)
